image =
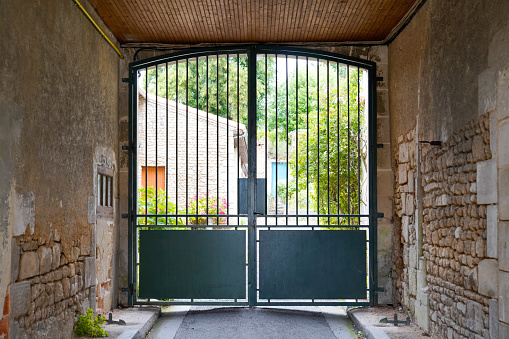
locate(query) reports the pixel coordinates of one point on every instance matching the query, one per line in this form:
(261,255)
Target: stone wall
(51,288)
(446,270)
(58,113)
(198,153)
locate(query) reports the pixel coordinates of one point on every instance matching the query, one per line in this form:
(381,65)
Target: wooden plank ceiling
(240,21)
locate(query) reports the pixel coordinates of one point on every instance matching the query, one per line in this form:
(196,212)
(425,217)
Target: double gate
(252,178)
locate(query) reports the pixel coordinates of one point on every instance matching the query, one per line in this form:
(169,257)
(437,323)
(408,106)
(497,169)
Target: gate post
(251,186)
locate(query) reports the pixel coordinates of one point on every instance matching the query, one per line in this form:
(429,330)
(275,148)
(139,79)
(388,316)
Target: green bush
(205,204)
(150,203)
(89,325)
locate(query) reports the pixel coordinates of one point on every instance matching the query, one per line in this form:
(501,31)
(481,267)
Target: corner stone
(20,298)
(503,245)
(487,182)
(89,272)
(492,226)
(503,296)
(488,277)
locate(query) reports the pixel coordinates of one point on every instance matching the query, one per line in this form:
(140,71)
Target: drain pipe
(98,28)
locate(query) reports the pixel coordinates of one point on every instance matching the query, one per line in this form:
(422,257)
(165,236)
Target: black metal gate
(252,178)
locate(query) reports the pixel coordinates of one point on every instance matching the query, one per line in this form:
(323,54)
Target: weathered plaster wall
(435,62)
(378,54)
(448,81)
(58,103)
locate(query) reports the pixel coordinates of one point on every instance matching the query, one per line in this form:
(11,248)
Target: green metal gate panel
(313,264)
(192,264)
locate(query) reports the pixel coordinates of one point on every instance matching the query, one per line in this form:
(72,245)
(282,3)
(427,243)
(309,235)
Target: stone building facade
(197,151)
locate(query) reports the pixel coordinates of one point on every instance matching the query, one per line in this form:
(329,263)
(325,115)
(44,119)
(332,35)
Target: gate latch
(395,321)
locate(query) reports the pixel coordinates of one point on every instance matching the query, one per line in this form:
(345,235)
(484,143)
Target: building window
(104,192)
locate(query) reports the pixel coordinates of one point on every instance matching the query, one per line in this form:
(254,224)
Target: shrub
(89,325)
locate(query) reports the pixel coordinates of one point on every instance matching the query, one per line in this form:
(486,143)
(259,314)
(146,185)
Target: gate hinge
(379,290)
(126,147)
(377,146)
(379,78)
(128,290)
(125,79)
(379,215)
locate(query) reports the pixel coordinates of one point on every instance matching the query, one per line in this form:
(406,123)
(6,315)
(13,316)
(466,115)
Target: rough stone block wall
(405,256)
(51,287)
(454,236)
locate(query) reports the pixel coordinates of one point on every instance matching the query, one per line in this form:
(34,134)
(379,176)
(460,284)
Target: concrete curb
(141,332)
(370,332)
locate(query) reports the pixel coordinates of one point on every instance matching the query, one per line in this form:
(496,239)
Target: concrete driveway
(259,322)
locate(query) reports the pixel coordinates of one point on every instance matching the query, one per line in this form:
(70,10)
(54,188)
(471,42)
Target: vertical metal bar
(297,138)
(197,139)
(187,140)
(307,139)
(287,138)
(146,145)
(338,188)
(217,134)
(166,165)
(207,151)
(266,144)
(157,127)
(132,195)
(277,159)
(238,131)
(372,186)
(348,137)
(176,139)
(328,147)
(227,138)
(251,189)
(358,148)
(318,136)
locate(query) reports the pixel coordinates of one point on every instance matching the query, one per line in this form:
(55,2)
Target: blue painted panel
(192,264)
(281,176)
(313,264)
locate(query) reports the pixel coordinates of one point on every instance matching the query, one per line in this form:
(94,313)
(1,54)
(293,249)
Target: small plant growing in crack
(88,324)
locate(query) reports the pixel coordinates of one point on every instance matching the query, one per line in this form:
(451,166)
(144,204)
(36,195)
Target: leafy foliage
(151,203)
(205,204)
(88,324)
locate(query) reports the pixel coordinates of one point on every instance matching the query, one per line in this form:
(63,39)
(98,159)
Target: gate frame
(252,50)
